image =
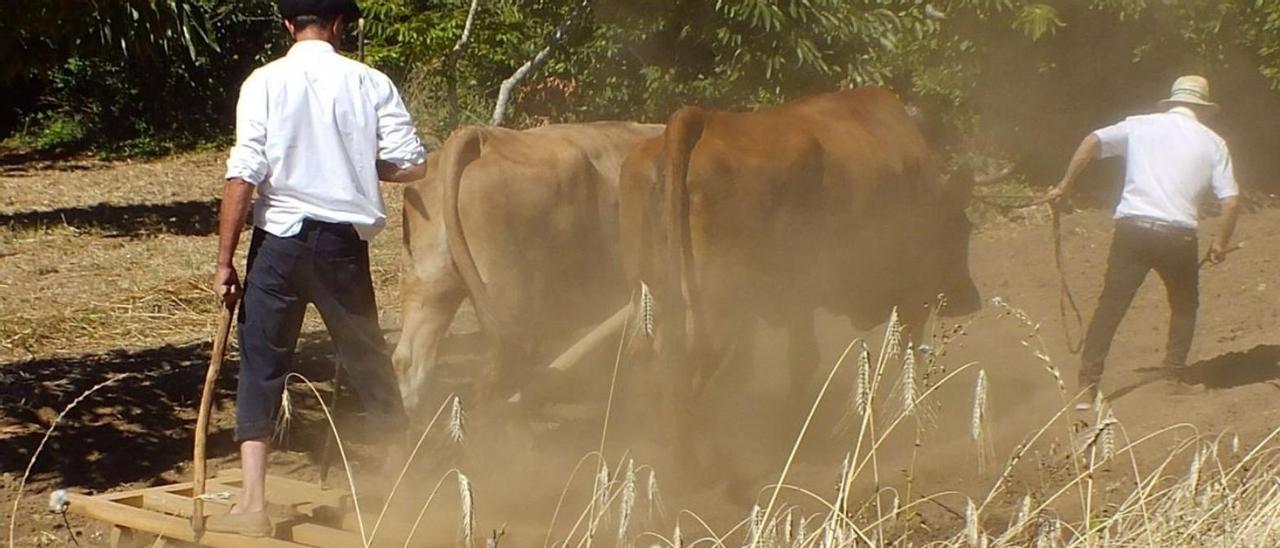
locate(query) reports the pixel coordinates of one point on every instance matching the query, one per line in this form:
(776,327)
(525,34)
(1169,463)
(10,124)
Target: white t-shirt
(309,127)
(1172,162)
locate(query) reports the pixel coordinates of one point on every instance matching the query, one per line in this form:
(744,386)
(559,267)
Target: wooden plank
(287,491)
(124,537)
(165,510)
(167,526)
(298,528)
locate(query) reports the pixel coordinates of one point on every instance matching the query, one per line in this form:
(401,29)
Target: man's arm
(401,156)
(392,173)
(1086,153)
(1227,226)
(236,196)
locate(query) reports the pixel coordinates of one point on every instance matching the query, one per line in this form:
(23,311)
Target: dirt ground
(104,270)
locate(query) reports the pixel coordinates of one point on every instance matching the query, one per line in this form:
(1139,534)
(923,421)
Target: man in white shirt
(315,131)
(1172,163)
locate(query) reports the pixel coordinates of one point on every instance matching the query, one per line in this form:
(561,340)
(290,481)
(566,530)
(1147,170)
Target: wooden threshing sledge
(161,516)
(170,515)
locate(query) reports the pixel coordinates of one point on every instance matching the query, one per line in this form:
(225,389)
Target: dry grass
(126,262)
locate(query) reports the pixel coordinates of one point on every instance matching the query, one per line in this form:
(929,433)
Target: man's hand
(227,285)
(1230,213)
(392,173)
(1217,252)
(1055,194)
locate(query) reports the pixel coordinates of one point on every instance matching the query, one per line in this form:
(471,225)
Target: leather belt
(1158,225)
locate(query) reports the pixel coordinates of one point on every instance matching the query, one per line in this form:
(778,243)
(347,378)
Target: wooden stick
(206,407)
(326,455)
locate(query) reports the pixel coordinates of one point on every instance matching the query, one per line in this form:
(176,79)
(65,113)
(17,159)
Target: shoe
(1175,387)
(249,524)
(1089,400)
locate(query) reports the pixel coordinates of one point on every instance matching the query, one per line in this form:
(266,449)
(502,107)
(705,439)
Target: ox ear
(958,188)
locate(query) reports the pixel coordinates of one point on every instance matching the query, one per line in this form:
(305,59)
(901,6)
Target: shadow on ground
(137,429)
(187,218)
(20,163)
(1257,365)
(1260,364)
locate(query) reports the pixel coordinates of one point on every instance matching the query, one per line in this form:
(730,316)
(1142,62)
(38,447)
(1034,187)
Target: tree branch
(555,40)
(451,71)
(466,28)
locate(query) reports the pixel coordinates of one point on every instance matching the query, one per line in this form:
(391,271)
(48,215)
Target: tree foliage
(1018,78)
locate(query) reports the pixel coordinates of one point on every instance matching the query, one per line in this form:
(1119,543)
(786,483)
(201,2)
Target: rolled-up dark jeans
(326,264)
(1137,248)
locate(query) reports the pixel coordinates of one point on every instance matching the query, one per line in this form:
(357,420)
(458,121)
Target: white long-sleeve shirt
(1172,162)
(309,128)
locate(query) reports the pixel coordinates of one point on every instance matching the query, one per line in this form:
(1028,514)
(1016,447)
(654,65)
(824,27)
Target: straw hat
(1190,90)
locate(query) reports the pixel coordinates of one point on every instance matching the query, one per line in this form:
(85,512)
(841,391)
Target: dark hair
(302,22)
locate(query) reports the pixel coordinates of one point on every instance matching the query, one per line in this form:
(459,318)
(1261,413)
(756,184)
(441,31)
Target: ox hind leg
(429,307)
(716,337)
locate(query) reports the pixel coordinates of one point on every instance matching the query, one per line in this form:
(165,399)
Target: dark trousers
(1136,250)
(326,264)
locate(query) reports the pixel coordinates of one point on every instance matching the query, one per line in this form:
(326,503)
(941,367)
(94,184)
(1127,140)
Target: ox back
(833,201)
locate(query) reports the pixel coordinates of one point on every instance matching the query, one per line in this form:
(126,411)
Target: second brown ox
(832,201)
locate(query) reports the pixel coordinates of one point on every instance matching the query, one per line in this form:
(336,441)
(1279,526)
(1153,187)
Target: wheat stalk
(971,522)
(285,415)
(754,530)
(465,503)
(1107,440)
(795,447)
(1193,475)
(841,492)
(628,503)
(1048,532)
(647,323)
(979,414)
(908,380)
(366,538)
(978,424)
(862,395)
(893,335)
(654,495)
(1101,436)
(22,484)
(395,487)
(468,503)
(457,420)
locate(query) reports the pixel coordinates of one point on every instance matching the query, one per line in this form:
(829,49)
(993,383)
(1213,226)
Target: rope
(1066,300)
(1067,308)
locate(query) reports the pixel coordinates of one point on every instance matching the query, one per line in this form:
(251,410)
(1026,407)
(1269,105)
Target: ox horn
(575,355)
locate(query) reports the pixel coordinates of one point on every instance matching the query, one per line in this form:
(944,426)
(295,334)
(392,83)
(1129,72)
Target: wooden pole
(206,408)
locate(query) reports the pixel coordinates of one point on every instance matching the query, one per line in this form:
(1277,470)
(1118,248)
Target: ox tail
(459,151)
(684,128)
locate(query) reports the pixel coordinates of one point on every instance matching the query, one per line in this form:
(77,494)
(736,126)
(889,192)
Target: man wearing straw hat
(315,131)
(1172,162)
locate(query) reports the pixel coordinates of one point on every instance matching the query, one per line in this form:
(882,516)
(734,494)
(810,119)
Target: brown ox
(832,201)
(525,224)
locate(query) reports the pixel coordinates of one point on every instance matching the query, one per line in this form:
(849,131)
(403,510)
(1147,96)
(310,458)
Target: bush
(169,82)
